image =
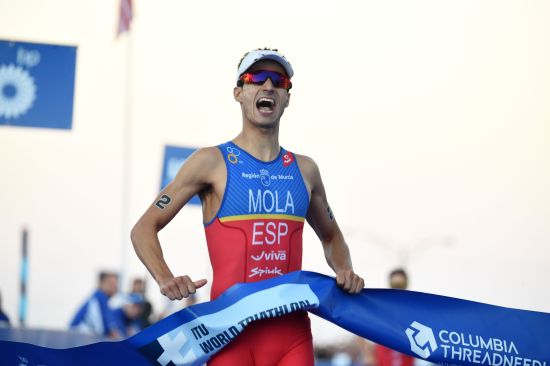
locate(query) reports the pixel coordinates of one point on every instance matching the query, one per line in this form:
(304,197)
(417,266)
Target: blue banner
(439,329)
(174,157)
(36,84)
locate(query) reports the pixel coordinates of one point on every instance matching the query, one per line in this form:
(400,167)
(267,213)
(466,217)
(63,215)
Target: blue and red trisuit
(256,235)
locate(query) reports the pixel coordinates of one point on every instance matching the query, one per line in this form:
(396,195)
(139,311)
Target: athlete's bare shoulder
(310,171)
(208,155)
(202,167)
(307,165)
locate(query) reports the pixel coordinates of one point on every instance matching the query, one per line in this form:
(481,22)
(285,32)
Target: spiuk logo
(422,339)
(288,159)
(260,272)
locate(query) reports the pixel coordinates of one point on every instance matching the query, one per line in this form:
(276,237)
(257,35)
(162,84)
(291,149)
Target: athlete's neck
(263,145)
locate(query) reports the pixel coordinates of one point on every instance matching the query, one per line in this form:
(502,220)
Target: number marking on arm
(163,202)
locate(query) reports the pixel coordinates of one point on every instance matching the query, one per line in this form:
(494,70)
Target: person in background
(144,319)
(4,320)
(128,314)
(398,279)
(378,355)
(95,317)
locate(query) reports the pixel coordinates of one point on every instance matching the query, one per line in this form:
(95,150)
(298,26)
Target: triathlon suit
(256,235)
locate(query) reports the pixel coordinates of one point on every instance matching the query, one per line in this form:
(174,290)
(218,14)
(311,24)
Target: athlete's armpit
(163,201)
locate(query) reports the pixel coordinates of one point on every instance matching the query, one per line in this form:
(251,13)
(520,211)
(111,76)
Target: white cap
(254,56)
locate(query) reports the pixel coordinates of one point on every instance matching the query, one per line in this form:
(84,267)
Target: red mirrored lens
(260,77)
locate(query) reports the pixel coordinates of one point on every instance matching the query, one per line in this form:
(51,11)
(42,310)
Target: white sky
(430,121)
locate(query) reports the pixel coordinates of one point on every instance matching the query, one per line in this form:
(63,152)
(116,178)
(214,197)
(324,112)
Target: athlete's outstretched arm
(322,220)
(193,177)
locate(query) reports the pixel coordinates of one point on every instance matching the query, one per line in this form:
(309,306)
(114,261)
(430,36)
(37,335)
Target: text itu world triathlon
(211,342)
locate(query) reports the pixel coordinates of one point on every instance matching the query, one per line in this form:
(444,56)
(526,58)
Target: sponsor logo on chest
(279,255)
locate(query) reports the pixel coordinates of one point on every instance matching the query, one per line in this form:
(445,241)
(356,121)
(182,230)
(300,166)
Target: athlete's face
(263,105)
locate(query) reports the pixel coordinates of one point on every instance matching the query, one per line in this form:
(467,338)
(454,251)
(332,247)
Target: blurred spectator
(4,320)
(398,279)
(344,353)
(341,359)
(128,314)
(95,316)
(144,319)
(377,355)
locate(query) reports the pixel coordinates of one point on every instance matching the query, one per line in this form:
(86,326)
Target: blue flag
(36,84)
(439,329)
(174,157)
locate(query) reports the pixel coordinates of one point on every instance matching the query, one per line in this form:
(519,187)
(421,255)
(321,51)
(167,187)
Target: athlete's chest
(255,187)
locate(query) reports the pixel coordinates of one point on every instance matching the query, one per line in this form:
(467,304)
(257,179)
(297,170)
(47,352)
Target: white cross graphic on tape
(175,351)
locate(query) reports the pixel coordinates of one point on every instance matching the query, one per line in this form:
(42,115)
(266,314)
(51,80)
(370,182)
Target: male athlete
(255,198)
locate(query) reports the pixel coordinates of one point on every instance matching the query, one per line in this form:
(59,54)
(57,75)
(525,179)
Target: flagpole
(127,151)
(24,279)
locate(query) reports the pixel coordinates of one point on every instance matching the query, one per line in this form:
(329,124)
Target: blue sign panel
(174,157)
(36,84)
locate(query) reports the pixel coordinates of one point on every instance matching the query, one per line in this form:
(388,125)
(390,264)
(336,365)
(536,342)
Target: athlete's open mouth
(265,104)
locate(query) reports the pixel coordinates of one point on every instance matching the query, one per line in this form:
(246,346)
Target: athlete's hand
(176,288)
(349,281)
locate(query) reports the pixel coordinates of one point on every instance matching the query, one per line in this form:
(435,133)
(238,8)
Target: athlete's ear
(237,93)
(287,100)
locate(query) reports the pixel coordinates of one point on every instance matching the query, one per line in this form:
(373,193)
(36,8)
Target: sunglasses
(260,77)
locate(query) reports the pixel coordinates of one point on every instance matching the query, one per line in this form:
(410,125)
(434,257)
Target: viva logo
(270,256)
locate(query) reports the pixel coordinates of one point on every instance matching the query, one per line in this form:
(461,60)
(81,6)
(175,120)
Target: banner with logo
(36,84)
(440,329)
(174,157)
